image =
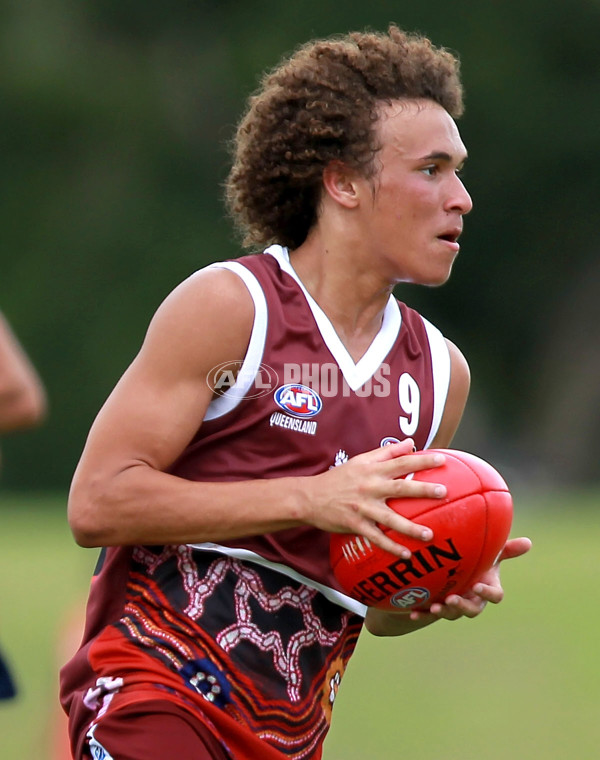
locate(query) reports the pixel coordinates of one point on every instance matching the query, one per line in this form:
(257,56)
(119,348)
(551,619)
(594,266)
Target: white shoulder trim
(249,556)
(440,362)
(232,397)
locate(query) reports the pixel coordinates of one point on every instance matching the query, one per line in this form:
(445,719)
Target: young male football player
(277,398)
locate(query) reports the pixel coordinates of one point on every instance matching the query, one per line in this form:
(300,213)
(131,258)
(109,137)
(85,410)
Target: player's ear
(340,182)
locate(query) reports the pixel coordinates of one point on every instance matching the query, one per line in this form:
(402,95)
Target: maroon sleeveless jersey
(253,635)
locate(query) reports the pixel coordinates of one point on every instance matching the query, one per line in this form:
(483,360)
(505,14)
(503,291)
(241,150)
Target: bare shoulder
(205,321)
(208,316)
(209,296)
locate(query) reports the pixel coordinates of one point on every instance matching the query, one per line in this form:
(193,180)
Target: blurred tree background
(114,122)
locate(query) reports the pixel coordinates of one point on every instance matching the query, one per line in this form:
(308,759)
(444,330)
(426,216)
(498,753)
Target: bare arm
(121,492)
(22,396)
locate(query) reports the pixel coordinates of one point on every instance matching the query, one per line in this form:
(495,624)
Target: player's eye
(430,171)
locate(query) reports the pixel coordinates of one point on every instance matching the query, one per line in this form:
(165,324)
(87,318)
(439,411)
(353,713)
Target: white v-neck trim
(358,373)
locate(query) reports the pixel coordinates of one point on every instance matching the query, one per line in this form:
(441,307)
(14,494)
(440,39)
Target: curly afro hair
(321,105)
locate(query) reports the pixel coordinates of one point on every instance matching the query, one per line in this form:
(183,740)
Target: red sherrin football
(470,527)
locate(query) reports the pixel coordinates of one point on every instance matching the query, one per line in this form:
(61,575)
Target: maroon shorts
(152,730)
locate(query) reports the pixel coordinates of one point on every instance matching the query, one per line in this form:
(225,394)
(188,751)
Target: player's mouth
(451,237)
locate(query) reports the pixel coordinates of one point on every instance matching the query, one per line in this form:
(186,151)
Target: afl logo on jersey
(299,400)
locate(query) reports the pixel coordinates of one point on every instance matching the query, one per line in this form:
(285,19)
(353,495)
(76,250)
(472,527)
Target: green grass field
(521,682)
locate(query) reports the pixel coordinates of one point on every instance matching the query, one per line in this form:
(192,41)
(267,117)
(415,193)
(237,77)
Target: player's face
(418,198)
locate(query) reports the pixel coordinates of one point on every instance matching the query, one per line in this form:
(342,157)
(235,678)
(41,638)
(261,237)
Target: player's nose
(459,199)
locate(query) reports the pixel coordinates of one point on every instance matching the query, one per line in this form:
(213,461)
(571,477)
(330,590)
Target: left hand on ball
(487,589)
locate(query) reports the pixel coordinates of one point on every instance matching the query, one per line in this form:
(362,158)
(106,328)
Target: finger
(401,459)
(395,465)
(493,594)
(444,612)
(401,466)
(378,538)
(414,489)
(389,518)
(455,607)
(515,547)
(422,616)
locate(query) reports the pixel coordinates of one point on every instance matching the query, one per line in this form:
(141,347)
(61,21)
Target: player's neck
(349,294)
